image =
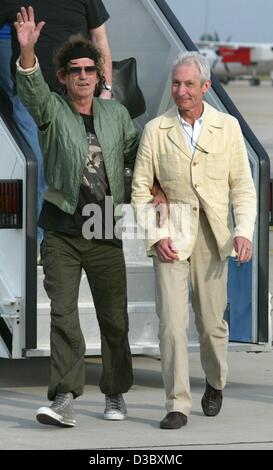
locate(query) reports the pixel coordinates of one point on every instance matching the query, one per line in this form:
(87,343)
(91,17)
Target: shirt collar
(185,123)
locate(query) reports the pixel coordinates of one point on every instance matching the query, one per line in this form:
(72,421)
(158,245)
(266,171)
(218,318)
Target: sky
(243,20)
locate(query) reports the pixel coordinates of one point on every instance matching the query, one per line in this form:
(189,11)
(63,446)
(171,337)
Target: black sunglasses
(89,69)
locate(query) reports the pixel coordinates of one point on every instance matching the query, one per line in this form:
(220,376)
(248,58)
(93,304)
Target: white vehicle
(149,31)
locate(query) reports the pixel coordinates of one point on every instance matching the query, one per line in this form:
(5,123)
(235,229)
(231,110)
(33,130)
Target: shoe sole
(47,416)
(172,427)
(115,417)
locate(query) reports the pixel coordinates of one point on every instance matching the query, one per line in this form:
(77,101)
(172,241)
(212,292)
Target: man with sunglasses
(62,19)
(199,157)
(86,142)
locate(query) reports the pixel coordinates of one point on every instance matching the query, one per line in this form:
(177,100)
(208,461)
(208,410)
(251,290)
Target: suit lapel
(170,122)
(212,123)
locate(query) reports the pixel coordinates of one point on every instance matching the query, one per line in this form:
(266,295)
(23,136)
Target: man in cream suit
(199,158)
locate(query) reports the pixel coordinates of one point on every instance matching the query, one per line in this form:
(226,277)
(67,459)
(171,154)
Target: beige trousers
(208,276)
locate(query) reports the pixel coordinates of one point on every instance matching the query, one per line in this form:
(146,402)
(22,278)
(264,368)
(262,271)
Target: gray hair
(194,57)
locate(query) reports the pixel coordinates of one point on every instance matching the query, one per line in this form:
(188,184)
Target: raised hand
(27,31)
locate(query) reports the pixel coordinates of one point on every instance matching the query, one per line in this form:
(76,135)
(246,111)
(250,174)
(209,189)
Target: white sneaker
(60,413)
(115,408)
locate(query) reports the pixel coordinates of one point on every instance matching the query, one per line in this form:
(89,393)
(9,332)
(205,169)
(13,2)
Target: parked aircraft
(230,60)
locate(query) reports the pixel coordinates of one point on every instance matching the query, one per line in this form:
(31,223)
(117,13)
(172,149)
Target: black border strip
(264,178)
(31,228)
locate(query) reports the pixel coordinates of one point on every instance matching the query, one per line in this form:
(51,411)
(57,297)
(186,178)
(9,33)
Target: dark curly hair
(62,53)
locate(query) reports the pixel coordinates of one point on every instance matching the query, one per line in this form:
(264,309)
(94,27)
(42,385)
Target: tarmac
(244,423)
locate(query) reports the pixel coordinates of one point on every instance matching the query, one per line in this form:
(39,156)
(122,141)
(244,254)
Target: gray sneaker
(60,413)
(115,408)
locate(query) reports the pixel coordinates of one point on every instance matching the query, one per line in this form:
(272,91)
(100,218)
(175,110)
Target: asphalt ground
(245,421)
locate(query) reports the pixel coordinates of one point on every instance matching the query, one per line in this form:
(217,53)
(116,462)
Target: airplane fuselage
(232,60)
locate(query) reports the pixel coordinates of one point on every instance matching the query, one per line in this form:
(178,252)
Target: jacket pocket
(169,167)
(216,166)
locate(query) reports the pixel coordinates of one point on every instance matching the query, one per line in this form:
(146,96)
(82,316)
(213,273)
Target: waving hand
(27,31)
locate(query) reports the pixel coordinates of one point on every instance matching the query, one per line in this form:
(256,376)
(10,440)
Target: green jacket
(64,145)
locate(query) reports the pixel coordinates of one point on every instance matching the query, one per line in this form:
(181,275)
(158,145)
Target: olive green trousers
(64,258)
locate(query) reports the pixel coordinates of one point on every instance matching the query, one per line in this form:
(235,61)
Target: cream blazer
(219,179)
